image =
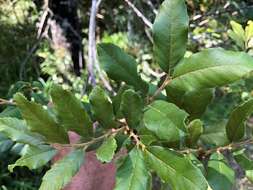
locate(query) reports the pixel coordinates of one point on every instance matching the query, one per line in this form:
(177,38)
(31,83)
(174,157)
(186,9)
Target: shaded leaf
(62,171)
(5,143)
(170,32)
(70,112)
(116,100)
(106,151)
(219,175)
(131,107)
(215,135)
(235,127)
(195,102)
(120,66)
(132,174)
(175,169)
(102,108)
(40,121)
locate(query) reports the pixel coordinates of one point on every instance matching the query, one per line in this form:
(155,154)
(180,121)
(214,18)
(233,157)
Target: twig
(139,14)
(152,7)
(161,88)
(6,102)
(207,152)
(94,140)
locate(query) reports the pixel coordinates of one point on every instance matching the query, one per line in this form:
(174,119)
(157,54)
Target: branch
(139,14)
(92,39)
(94,140)
(6,102)
(160,89)
(207,152)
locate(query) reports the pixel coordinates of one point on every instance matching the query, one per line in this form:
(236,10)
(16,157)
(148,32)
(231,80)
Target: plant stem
(95,140)
(207,152)
(6,102)
(160,89)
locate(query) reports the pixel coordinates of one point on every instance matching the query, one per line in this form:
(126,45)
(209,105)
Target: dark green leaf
(132,174)
(195,102)
(5,143)
(219,175)
(131,107)
(215,135)
(106,151)
(17,130)
(166,120)
(175,169)
(62,171)
(209,69)
(120,66)
(102,108)
(116,100)
(235,127)
(243,160)
(170,32)
(70,112)
(34,157)
(40,121)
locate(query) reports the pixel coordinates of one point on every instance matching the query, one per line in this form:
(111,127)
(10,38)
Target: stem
(161,88)
(207,152)
(139,14)
(95,140)
(6,102)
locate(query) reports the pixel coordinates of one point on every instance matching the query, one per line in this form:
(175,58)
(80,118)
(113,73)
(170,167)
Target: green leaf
(166,120)
(197,163)
(195,129)
(34,157)
(238,34)
(102,108)
(5,143)
(249,30)
(209,69)
(132,174)
(116,101)
(195,102)
(62,171)
(249,175)
(174,169)
(106,151)
(170,32)
(235,127)
(16,130)
(11,111)
(215,135)
(219,175)
(131,107)
(70,112)
(243,160)
(40,121)
(120,66)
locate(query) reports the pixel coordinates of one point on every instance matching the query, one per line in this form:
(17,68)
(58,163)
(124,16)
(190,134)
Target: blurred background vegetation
(45,42)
